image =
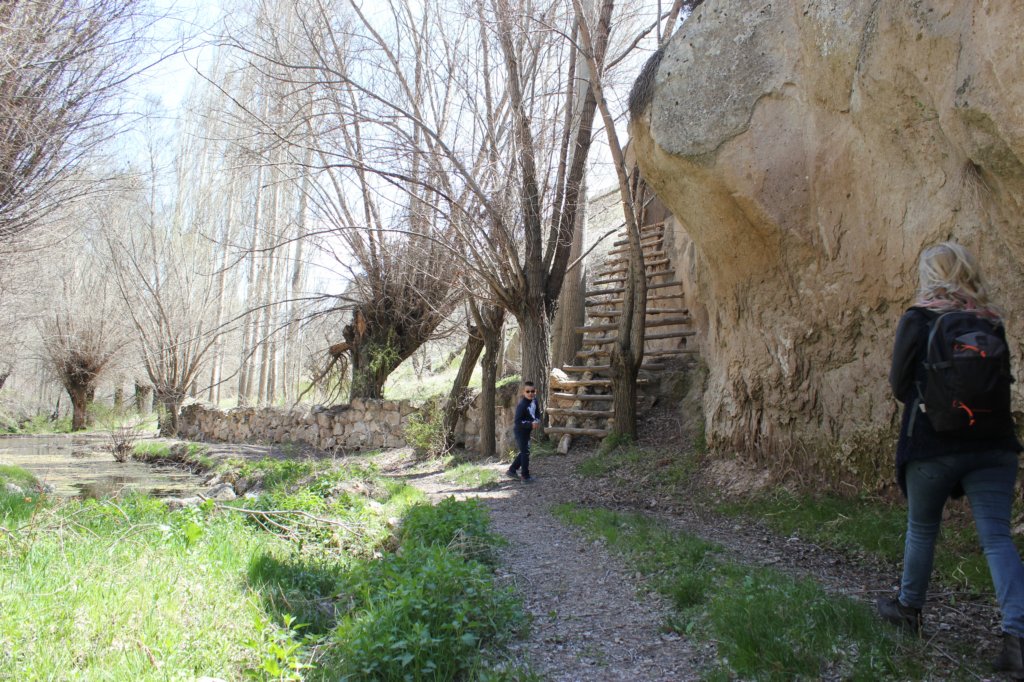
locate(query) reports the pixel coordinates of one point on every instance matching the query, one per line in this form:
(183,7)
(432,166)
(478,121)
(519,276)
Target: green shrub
(460,525)
(424,430)
(422,615)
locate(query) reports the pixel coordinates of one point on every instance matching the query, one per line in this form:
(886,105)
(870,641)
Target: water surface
(81,465)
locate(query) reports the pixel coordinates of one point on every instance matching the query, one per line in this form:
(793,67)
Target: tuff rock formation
(811,149)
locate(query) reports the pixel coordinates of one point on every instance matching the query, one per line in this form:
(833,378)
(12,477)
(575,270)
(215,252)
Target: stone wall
(811,149)
(361,425)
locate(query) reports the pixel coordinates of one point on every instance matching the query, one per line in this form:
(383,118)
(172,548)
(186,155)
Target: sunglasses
(529,391)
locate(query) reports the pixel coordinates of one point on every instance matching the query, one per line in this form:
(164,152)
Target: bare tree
(62,65)
(83,334)
(163,263)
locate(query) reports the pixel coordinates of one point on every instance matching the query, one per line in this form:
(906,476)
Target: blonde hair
(950,279)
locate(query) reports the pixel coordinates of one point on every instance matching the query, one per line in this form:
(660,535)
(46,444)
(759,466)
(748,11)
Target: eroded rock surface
(811,149)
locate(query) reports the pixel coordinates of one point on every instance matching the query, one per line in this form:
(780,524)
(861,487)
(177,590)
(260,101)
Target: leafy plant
(424,430)
(279,650)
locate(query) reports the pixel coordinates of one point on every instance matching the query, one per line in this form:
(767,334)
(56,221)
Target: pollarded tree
(82,335)
(385,238)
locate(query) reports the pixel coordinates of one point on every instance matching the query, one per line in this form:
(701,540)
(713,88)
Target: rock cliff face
(811,149)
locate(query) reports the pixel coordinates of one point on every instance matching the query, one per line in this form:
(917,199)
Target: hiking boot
(527,479)
(511,474)
(1011,658)
(893,611)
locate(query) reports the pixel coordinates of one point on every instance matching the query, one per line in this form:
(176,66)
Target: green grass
(766,625)
(874,526)
(623,460)
(13,506)
(192,455)
(471,475)
(126,589)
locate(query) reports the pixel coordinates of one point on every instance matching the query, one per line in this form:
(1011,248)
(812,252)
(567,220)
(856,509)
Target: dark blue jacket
(908,370)
(523,421)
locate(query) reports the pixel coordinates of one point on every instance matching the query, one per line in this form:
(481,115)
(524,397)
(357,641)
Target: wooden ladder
(580,401)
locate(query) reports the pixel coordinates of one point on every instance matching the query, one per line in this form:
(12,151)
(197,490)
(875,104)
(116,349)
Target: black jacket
(523,421)
(906,372)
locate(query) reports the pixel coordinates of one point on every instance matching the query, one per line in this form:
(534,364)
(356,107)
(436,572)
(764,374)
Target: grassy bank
(875,527)
(766,625)
(332,572)
(859,526)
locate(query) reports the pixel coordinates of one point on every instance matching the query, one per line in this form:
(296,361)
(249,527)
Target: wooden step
(651,260)
(619,301)
(587,383)
(671,321)
(653,227)
(654,242)
(600,341)
(598,353)
(644,241)
(620,290)
(576,412)
(648,265)
(650,311)
(574,431)
(585,397)
(582,369)
(650,275)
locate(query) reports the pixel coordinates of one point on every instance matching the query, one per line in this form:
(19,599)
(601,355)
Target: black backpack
(967,368)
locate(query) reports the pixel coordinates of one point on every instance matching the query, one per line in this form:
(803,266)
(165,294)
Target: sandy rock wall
(361,425)
(810,149)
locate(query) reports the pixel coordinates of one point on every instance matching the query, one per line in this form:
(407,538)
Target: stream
(81,465)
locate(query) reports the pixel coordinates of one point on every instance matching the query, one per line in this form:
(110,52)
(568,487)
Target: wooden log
(619,290)
(597,353)
(582,369)
(650,311)
(559,430)
(576,412)
(648,337)
(650,275)
(584,397)
(667,322)
(619,301)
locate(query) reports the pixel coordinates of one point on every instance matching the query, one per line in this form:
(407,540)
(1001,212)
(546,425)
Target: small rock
(12,489)
(214,480)
(223,492)
(181,502)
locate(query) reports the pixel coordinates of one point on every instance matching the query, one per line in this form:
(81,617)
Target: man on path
(526,420)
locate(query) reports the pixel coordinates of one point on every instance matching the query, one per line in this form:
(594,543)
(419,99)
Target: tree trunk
(3,377)
(119,396)
(534,332)
(493,335)
(571,311)
(456,404)
(143,398)
(170,404)
(79,395)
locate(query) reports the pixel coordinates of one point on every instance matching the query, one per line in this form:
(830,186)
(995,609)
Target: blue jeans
(522,459)
(988,479)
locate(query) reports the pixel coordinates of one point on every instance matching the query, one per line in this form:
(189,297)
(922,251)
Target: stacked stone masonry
(360,425)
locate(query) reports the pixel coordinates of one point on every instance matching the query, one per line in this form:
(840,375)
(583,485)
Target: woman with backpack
(951,371)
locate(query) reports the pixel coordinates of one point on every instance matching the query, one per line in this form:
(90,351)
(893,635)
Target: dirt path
(589,621)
